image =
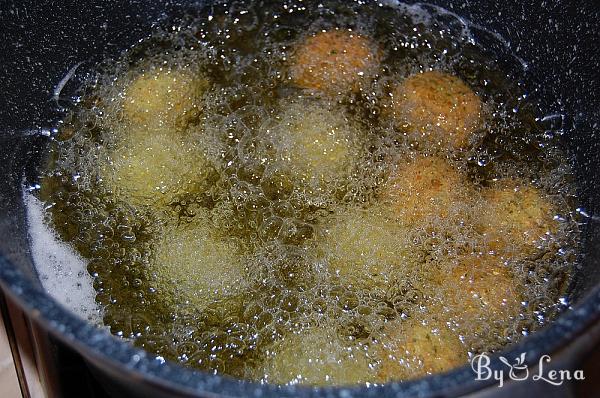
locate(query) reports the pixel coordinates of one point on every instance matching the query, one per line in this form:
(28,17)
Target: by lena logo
(519,371)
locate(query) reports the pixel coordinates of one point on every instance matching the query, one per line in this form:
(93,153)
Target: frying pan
(43,40)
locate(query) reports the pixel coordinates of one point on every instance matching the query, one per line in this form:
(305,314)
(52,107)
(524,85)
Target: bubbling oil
(233,216)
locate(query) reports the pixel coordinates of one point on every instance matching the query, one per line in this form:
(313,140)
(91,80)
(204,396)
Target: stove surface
(34,365)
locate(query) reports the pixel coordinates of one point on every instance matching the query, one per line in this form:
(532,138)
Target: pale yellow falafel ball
(315,143)
(517,219)
(424,188)
(368,249)
(152,169)
(193,266)
(164,98)
(414,348)
(334,61)
(319,357)
(436,109)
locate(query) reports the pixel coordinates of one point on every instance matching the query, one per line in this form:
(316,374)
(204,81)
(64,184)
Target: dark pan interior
(43,40)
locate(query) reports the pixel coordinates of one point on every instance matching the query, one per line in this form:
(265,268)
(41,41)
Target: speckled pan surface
(42,41)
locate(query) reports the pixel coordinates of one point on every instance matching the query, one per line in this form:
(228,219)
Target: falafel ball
(481,296)
(413,348)
(518,219)
(424,189)
(436,109)
(334,61)
(152,169)
(193,266)
(368,249)
(316,144)
(319,357)
(164,98)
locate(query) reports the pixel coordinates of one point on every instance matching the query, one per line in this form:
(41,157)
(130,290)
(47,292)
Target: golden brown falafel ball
(518,218)
(480,287)
(334,61)
(413,348)
(424,188)
(319,357)
(480,297)
(164,98)
(436,108)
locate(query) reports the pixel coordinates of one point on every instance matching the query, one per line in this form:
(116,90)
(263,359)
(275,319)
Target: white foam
(62,271)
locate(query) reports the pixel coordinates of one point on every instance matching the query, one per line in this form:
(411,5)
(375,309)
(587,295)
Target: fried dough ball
(481,286)
(423,189)
(436,108)
(334,61)
(517,219)
(481,297)
(315,143)
(318,357)
(193,267)
(162,98)
(413,348)
(367,249)
(152,169)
